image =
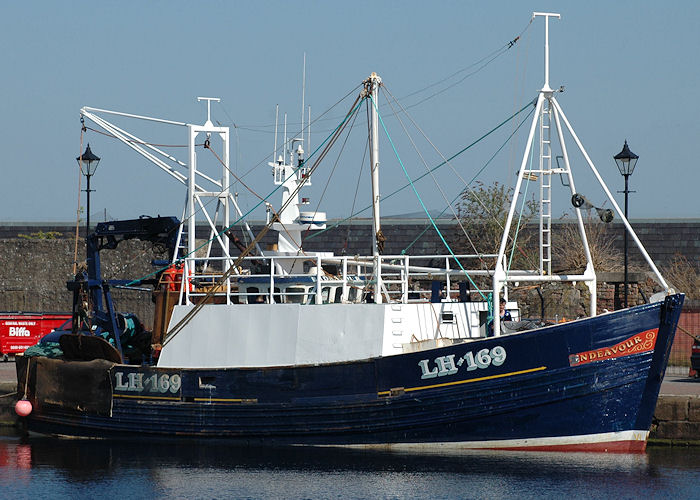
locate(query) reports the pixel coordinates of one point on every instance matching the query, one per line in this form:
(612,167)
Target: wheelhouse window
(253,297)
(295,295)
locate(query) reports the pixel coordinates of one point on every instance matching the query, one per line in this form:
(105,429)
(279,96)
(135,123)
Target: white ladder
(545,167)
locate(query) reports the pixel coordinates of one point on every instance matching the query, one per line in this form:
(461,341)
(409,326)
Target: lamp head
(626,160)
(89,162)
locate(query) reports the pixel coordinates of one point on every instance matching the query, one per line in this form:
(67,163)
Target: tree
(482,212)
(683,276)
(570,255)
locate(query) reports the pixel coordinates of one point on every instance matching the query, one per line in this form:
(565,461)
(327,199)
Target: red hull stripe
(609,447)
(632,441)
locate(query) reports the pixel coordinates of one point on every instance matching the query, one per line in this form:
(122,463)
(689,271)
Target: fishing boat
(288,346)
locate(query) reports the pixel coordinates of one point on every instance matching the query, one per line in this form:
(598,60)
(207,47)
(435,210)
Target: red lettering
(624,348)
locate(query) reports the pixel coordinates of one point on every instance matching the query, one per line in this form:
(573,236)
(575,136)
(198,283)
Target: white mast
(372,89)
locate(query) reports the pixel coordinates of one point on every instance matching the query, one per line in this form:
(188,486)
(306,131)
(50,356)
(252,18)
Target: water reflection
(214,469)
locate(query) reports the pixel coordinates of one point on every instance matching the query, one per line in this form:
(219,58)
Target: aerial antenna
(308,133)
(546,15)
(209,100)
(303,93)
(284,146)
(277,114)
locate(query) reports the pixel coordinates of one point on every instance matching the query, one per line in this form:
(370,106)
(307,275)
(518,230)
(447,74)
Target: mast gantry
(548,114)
(545,118)
(201,187)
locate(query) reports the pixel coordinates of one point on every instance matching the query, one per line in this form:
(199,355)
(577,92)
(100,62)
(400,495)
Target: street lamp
(626,161)
(88,162)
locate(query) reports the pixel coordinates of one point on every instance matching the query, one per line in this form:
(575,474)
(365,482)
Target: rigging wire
(77,211)
(489,58)
(520,216)
(143,143)
(325,144)
(357,185)
(206,203)
(434,179)
(442,91)
(282,146)
(496,53)
(468,185)
(335,165)
(413,187)
(439,165)
(319,118)
(354,199)
(521,84)
(506,47)
(488,162)
(425,164)
(298,244)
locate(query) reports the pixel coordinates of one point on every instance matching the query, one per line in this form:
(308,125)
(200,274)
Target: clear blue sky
(630,69)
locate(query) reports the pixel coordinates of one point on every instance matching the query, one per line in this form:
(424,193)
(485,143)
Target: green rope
(439,165)
(403,252)
(413,187)
(489,302)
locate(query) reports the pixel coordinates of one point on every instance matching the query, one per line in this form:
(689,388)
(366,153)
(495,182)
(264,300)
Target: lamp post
(626,161)
(88,162)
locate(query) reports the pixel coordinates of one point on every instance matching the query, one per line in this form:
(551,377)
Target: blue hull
(580,385)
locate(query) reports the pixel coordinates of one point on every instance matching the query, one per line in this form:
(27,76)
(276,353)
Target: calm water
(39,468)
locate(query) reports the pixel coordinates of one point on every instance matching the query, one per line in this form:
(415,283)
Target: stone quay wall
(34,271)
(676,420)
(33,275)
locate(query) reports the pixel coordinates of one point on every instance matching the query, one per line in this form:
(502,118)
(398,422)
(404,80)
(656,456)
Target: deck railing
(404,278)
